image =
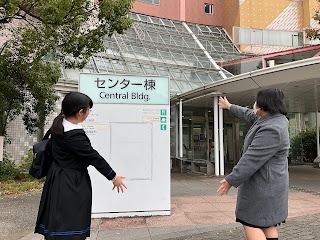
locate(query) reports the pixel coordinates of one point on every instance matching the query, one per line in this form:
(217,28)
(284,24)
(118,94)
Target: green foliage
(8,170)
(304,146)
(26,88)
(73,29)
(15,179)
(66,32)
(26,162)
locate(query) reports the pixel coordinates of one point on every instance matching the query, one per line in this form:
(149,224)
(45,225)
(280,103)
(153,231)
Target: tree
(39,36)
(314,34)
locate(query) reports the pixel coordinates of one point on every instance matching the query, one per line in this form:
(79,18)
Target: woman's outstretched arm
(243,113)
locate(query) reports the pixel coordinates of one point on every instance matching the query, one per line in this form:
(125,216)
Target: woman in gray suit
(261,174)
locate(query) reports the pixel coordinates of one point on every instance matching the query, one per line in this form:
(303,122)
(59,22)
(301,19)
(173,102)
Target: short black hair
(272,100)
(72,103)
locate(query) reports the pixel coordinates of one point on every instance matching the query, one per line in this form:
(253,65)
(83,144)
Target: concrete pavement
(197,213)
(18,215)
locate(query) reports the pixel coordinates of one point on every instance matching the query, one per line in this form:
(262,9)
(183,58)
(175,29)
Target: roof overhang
(299,80)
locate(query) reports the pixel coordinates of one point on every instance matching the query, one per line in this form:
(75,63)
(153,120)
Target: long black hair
(72,103)
(272,100)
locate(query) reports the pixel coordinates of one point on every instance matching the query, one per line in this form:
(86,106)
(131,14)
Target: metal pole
(221,141)
(1,147)
(180,130)
(216,134)
(176,122)
(317,160)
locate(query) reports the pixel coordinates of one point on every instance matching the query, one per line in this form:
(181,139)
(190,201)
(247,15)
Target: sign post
(129,127)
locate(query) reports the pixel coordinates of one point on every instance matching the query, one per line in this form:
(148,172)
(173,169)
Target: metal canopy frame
(163,47)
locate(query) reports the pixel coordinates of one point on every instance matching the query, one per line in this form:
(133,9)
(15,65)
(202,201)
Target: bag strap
(48,133)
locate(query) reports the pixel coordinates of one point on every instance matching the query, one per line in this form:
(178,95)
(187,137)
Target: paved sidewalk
(305,227)
(197,213)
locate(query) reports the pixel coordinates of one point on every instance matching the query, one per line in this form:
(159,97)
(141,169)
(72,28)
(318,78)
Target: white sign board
(133,134)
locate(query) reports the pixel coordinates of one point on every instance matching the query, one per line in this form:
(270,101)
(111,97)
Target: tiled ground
(196,208)
(303,227)
(197,212)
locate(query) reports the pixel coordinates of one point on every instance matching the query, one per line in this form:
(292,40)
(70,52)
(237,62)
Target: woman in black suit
(65,206)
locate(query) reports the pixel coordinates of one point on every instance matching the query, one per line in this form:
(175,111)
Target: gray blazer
(262,171)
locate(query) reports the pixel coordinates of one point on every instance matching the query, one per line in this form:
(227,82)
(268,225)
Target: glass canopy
(162,47)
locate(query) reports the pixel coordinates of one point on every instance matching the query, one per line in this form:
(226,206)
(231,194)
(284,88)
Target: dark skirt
(65,206)
(255,226)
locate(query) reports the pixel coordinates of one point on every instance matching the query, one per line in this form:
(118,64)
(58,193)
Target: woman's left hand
(224,188)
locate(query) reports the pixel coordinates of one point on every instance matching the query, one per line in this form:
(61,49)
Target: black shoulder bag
(42,157)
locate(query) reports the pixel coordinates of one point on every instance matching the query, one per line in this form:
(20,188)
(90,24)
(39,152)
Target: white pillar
(210,166)
(180,130)
(216,134)
(221,141)
(1,147)
(207,135)
(183,164)
(317,160)
(317,126)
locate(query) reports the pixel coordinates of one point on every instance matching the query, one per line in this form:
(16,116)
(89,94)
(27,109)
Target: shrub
(8,170)
(304,146)
(26,162)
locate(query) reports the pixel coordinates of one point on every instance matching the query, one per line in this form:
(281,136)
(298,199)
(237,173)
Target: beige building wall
(310,8)
(261,13)
(283,15)
(231,15)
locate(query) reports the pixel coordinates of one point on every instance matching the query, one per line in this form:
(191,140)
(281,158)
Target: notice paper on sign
(151,119)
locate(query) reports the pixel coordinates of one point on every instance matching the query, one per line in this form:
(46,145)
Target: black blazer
(74,151)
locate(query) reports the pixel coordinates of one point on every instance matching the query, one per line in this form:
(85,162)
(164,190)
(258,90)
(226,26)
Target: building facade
(189,40)
(255,26)
(260,27)
(206,12)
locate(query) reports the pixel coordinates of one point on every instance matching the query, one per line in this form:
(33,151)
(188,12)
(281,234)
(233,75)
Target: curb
(32,236)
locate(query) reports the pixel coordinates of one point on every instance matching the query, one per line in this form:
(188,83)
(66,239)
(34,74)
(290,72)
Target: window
(157,2)
(267,37)
(208,8)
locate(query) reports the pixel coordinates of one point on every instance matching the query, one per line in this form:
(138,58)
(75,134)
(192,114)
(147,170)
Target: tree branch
(30,23)
(3,47)
(70,11)
(4,20)
(33,4)
(8,18)
(30,13)
(79,14)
